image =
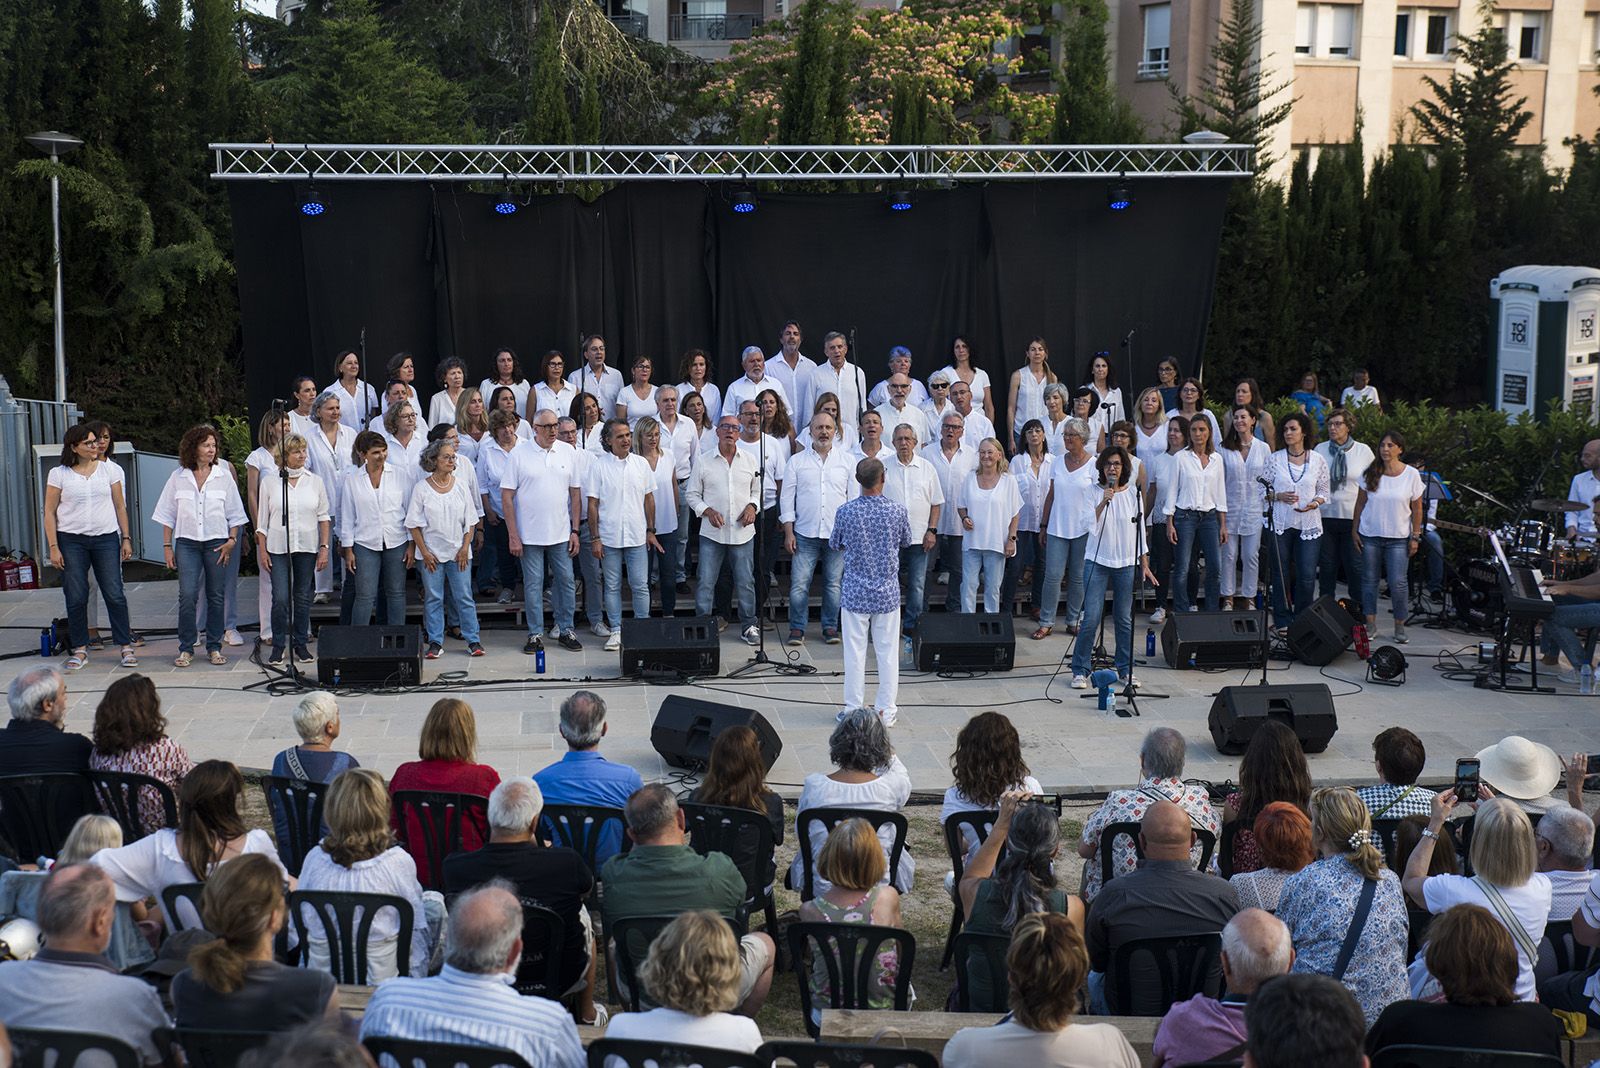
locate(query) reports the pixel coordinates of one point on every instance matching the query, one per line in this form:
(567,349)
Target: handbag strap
(1525,945)
(1358,923)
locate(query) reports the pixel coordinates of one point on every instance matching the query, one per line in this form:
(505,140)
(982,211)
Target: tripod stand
(1130,691)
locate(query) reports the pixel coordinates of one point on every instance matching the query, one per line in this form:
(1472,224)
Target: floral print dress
(880,994)
(1317,905)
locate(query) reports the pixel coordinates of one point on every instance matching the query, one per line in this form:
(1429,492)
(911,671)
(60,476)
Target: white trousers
(1243,552)
(884,629)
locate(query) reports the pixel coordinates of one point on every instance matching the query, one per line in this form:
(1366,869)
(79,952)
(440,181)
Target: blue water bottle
(46,645)
(538,656)
(1149,641)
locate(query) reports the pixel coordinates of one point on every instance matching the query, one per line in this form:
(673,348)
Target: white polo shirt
(911,414)
(542,480)
(620,484)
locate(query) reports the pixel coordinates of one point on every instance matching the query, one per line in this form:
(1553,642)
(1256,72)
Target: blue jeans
(563,601)
(807,553)
(1561,629)
(991,567)
(102,553)
(230,587)
(1377,554)
(948,552)
(1096,577)
(303,568)
(1027,555)
(666,588)
(375,570)
(198,566)
(451,581)
(1293,556)
(914,562)
(638,562)
(1204,528)
(495,562)
(589,568)
(1433,559)
(1337,550)
(741,561)
(1062,557)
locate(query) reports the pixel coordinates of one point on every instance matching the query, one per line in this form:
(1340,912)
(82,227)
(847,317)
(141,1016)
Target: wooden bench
(931,1030)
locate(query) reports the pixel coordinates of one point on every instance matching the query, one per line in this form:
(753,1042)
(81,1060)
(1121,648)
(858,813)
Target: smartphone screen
(1594,764)
(1467,778)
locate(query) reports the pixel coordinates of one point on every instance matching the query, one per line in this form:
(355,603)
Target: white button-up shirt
(975,427)
(308,508)
(952,474)
(1201,489)
(727,487)
(742,389)
(330,462)
(912,415)
(1032,487)
(558,401)
(848,383)
(917,487)
(520,389)
(604,387)
(813,490)
(373,517)
(493,460)
(777,461)
(543,481)
(407,459)
(200,513)
(796,380)
(683,439)
(620,484)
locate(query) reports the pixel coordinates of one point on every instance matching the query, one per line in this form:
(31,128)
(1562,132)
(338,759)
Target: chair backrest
(580,827)
(637,1053)
(1384,828)
(849,953)
(980,822)
(296,806)
(217,1049)
(32,1047)
(403,1053)
(131,800)
(630,939)
(543,939)
(1458,1057)
(1566,953)
(346,932)
(1230,831)
(840,1055)
(181,902)
(742,834)
(1183,966)
(831,818)
(987,953)
(439,815)
(37,811)
(1113,831)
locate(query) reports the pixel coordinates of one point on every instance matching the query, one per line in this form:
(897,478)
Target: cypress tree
(1088,109)
(549,118)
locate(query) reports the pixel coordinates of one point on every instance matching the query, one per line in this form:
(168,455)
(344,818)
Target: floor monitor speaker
(686,727)
(679,645)
(1306,708)
(1212,640)
(369,656)
(964,641)
(1321,633)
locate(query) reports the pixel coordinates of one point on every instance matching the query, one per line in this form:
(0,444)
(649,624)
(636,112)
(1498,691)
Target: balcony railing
(1155,66)
(711,27)
(632,25)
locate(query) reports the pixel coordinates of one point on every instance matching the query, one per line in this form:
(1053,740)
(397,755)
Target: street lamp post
(57,144)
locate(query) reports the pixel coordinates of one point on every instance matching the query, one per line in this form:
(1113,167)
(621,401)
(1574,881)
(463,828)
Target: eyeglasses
(939,385)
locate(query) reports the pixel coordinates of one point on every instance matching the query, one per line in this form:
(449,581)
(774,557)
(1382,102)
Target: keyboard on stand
(1524,593)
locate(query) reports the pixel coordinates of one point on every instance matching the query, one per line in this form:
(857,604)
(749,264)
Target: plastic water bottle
(46,645)
(1586,680)
(1149,641)
(538,657)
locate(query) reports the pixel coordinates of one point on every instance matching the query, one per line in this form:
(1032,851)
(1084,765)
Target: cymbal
(1556,504)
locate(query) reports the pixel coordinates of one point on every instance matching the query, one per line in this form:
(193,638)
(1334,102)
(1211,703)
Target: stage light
(1387,665)
(505,205)
(1119,198)
(311,204)
(744,203)
(898,200)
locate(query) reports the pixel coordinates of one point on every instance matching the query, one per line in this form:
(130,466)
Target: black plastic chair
(840,1055)
(297,805)
(402,1053)
(346,935)
(1230,831)
(1108,840)
(217,1049)
(630,941)
(1185,965)
(543,940)
(849,953)
(37,811)
(187,894)
(831,818)
(32,1047)
(1385,829)
(1458,1057)
(989,951)
(122,795)
(439,815)
(980,822)
(636,1053)
(1565,951)
(745,836)
(579,827)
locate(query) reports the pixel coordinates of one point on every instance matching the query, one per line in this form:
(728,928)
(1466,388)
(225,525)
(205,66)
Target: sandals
(217,658)
(129,658)
(1040,634)
(183,659)
(78,658)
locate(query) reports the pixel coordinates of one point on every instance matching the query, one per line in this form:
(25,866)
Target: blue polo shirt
(584,777)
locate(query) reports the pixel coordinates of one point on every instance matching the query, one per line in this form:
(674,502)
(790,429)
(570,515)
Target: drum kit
(1534,543)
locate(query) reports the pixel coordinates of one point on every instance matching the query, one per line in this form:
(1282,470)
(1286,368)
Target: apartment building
(1366,58)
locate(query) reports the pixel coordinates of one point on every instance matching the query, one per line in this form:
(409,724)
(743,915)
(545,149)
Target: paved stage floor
(1068,743)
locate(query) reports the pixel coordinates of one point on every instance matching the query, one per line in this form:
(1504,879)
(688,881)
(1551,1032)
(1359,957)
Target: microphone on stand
(1264,480)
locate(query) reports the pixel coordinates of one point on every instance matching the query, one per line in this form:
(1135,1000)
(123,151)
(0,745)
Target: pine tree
(1473,112)
(1234,98)
(549,118)
(587,127)
(1088,109)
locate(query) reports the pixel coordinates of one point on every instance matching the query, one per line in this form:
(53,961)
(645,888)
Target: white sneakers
(1080,682)
(600,630)
(1158,617)
(613,642)
(752,635)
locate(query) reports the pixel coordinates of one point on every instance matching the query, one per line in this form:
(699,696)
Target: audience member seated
(210,832)
(35,741)
(69,985)
(1046,965)
(19,891)
(1564,841)
(1503,856)
(1399,757)
(1255,948)
(359,856)
(853,863)
(1579,991)
(319,1045)
(1523,771)
(583,776)
(316,720)
(994,898)
(1161,759)
(449,752)
(1281,838)
(130,735)
(1319,904)
(1165,897)
(1304,1021)
(692,974)
(470,1002)
(662,876)
(736,778)
(986,763)
(232,982)
(1472,955)
(867,774)
(552,876)
(1273,769)
(1406,836)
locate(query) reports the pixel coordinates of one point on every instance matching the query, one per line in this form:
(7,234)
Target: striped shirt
(467,1009)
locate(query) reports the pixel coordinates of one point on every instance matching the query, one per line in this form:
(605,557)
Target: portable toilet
(1547,345)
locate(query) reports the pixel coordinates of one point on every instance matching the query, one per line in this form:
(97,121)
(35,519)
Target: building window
(1402,33)
(1437,43)
(1156,58)
(1589,41)
(1305,29)
(1325,31)
(1530,38)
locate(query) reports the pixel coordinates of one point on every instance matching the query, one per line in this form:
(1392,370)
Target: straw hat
(1519,768)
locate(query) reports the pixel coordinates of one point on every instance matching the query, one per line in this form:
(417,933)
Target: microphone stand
(1130,692)
(759,659)
(1277,565)
(365,385)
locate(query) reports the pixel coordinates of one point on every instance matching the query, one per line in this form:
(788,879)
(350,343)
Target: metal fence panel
(25,424)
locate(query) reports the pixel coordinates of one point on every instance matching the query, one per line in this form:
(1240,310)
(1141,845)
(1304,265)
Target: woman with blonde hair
(292,546)
(359,855)
(692,975)
(448,750)
(232,982)
(472,421)
(989,504)
(1046,966)
(853,863)
(19,891)
(1345,911)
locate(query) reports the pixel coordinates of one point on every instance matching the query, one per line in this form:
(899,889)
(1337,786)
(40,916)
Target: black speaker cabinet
(1321,633)
(686,727)
(964,641)
(1307,709)
(370,655)
(1212,640)
(682,645)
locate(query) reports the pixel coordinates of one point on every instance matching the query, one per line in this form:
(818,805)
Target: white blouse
(1068,517)
(1112,540)
(445,518)
(559,401)
(979,384)
(991,511)
(1245,494)
(86,506)
(710,394)
(521,388)
(441,408)
(407,458)
(1387,513)
(666,490)
(373,517)
(200,513)
(308,507)
(330,462)
(1150,445)
(153,863)
(1216,431)
(1113,397)
(1200,489)
(1032,487)
(1030,396)
(356,406)
(390,872)
(889,792)
(1308,480)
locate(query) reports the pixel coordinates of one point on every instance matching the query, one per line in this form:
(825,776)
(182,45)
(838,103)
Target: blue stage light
(311,205)
(744,203)
(1118,198)
(505,205)
(898,200)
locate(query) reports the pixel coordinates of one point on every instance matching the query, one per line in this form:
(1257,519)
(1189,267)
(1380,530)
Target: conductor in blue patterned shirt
(871,530)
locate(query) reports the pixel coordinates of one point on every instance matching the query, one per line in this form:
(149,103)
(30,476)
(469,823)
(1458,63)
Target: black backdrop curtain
(658,268)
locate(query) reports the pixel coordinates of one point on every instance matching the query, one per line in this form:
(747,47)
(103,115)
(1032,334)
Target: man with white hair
(1255,948)
(952,461)
(36,742)
(755,379)
(1564,840)
(583,776)
(898,408)
(682,437)
(470,1002)
(555,877)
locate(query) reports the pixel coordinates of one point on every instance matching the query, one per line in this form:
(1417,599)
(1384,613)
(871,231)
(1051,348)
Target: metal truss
(728,163)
